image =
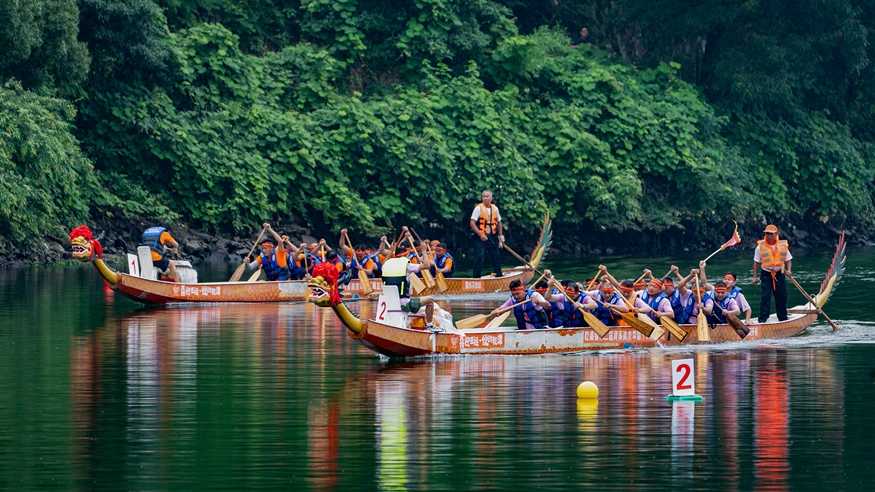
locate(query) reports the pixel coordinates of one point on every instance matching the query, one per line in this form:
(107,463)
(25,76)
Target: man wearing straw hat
(772,259)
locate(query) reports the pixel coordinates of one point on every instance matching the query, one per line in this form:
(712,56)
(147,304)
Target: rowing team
(554,304)
(277,251)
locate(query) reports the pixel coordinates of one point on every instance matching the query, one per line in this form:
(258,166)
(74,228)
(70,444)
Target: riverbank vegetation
(667,119)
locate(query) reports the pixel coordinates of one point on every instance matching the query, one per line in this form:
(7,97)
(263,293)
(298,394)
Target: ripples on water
(98,394)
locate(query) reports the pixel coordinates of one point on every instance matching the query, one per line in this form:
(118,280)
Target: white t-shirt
(475,216)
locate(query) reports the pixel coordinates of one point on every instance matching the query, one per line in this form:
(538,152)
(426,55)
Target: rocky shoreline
(199,247)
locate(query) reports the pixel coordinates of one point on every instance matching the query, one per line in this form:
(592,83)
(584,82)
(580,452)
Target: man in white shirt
(487,227)
(772,259)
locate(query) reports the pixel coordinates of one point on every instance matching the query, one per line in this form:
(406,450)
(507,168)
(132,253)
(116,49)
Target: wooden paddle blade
(644,328)
(365,282)
(429,279)
(472,322)
(497,321)
(442,284)
(647,319)
(673,328)
(596,324)
(255,276)
(703,331)
(416,284)
(740,328)
(238,273)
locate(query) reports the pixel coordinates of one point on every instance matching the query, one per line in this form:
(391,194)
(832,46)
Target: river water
(97,393)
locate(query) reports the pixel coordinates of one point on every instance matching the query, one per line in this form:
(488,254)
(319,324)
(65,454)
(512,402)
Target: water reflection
(259,395)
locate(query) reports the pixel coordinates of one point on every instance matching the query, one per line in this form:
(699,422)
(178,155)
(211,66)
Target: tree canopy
(668,118)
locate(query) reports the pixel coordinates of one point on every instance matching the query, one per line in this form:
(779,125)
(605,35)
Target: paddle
(811,300)
(362,274)
(479,319)
(441,280)
(497,321)
(255,275)
(595,323)
(703,331)
(238,273)
(643,324)
(426,273)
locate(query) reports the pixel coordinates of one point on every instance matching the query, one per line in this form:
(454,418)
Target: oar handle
(518,257)
(592,282)
(811,300)
(698,290)
(616,285)
(255,245)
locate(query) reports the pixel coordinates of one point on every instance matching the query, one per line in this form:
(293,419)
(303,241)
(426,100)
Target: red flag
(734,240)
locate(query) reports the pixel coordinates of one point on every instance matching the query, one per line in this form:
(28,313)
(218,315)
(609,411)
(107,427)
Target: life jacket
(271,268)
(717,314)
(528,314)
(677,307)
(687,309)
(441,260)
(395,273)
(732,294)
(152,239)
(602,311)
(489,218)
(652,301)
(556,315)
(378,265)
(773,256)
(411,256)
(572,316)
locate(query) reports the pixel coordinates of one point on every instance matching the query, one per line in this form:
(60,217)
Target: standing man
(486,224)
(773,256)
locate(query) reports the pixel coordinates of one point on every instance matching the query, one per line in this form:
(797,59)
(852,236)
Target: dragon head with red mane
(324,291)
(84,247)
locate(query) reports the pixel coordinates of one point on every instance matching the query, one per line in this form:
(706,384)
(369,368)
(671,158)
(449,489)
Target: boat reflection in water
(262,395)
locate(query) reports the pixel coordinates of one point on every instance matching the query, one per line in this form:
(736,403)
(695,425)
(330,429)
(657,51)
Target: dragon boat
(394,333)
(147,289)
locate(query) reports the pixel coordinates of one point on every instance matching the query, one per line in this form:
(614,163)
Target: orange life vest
(491,221)
(773,256)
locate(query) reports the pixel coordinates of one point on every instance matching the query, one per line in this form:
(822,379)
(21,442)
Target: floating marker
(587,390)
(683,381)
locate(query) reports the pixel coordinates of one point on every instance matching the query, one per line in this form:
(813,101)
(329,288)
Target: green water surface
(97,393)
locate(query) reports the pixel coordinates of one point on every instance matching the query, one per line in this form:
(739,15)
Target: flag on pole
(734,240)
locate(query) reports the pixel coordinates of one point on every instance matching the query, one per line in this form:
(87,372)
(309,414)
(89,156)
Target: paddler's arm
(665,309)
(703,277)
(539,301)
(788,267)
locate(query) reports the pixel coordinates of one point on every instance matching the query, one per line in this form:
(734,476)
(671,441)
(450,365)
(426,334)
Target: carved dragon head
(320,292)
(323,285)
(84,247)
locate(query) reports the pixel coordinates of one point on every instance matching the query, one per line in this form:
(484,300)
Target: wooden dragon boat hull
(160,292)
(406,342)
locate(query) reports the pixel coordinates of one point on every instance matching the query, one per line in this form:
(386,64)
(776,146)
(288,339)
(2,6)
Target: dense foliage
(369,114)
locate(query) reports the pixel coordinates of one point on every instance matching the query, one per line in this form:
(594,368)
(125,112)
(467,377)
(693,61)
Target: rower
(554,317)
(486,224)
(678,295)
(358,259)
(773,256)
(607,300)
(652,301)
(443,261)
(272,260)
(735,293)
(568,309)
(532,314)
(160,243)
(721,305)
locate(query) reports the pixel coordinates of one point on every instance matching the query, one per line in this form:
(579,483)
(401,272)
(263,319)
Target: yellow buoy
(587,390)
